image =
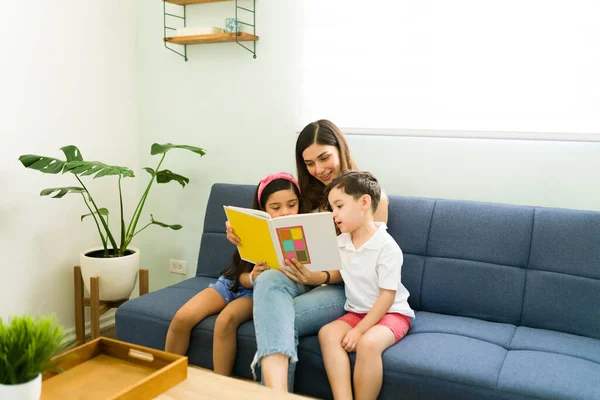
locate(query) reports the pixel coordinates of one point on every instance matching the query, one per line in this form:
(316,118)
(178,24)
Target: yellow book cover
(308,238)
(254,232)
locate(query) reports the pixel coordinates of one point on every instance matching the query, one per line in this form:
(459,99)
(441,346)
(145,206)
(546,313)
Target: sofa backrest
(532,266)
(215,250)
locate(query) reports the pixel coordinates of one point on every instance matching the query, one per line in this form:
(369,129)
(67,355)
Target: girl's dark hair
(239,266)
(326,133)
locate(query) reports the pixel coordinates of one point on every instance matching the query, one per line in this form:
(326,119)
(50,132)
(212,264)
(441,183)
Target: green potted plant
(116,262)
(26,346)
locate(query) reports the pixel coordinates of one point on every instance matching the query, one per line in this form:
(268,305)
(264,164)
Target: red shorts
(399,324)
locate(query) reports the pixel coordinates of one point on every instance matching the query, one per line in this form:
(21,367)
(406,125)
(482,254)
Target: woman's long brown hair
(323,132)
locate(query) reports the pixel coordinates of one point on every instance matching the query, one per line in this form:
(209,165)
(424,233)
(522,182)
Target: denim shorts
(224,285)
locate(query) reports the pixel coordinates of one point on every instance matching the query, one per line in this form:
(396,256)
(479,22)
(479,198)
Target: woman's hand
(232,237)
(300,274)
(258,269)
(351,339)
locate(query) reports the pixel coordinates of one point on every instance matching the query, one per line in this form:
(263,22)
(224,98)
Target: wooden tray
(110,369)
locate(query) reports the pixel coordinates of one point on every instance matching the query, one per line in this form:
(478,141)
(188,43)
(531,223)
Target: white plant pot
(31,390)
(117,275)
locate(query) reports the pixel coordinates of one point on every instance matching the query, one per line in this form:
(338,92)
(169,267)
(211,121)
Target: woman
(290,304)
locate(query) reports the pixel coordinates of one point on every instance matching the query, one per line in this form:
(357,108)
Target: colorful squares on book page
(297,233)
(293,243)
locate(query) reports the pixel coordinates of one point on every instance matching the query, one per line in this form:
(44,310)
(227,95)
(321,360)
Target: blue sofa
(507,300)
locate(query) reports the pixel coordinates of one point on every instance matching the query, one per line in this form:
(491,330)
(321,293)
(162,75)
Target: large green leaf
(61,191)
(47,165)
(84,168)
(166,176)
(174,227)
(51,165)
(163,148)
(101,211)
(72,153)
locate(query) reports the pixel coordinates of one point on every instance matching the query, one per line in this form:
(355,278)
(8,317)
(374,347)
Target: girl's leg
(335,358)
(368,370)
(225,337)
(274,318)
(205,303)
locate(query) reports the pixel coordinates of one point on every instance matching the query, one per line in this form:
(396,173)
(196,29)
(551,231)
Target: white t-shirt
(377,264)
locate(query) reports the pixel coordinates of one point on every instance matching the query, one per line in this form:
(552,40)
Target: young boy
(378,312)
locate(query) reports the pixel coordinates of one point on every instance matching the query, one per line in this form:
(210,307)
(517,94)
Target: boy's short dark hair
(357,184)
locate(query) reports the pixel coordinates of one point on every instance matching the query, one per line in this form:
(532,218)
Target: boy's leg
(335,358)
(207,302)
(368,370)
(225,336)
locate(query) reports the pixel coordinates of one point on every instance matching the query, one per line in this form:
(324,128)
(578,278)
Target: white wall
(243,111)
(68,77)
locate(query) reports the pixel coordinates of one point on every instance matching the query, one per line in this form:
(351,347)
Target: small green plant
(26,346)
(75,165)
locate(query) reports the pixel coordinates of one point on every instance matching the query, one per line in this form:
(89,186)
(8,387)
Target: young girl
(231,296)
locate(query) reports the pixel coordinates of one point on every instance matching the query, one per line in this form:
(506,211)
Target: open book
(309,238)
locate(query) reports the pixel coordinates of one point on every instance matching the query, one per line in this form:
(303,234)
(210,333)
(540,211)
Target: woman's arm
(381,214)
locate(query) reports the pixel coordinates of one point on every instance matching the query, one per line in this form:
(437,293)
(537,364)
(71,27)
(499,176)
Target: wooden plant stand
(97,306)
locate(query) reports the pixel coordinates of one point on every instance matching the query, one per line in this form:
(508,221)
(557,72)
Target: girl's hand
(351,339)
(232,237)
(300,274)
(258,269)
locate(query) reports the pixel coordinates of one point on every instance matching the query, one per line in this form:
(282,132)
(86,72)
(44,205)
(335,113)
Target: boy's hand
(350,341)
(232,237)
(258,269)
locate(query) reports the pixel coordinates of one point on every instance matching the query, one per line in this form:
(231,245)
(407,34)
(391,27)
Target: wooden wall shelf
(212,38)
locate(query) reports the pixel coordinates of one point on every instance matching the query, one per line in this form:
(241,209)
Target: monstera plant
(115,243)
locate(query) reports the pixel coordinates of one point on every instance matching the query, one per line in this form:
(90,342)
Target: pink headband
(270,178)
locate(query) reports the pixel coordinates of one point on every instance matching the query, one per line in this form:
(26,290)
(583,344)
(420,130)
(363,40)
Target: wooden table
(205,384)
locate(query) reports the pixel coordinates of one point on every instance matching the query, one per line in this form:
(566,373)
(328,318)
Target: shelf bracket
(165,28)
(253,25)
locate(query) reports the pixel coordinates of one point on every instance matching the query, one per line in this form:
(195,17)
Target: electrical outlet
(177,267)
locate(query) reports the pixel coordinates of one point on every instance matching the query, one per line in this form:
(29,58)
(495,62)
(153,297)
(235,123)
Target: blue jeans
(285,310)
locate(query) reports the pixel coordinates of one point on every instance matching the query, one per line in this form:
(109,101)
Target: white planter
(117,275)
(31,390)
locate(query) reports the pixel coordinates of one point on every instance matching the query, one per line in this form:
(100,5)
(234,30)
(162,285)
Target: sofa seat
(446,356)
(145,321)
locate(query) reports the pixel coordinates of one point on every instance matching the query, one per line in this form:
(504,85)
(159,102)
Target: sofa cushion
(562,302)
(549,376)
(493,332)
(409,219)
(486,232)
(556,342)
(473,289)
(565,261)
